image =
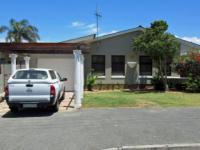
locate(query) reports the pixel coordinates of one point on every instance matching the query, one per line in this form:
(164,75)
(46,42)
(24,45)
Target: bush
(193,83)
(91,81)
(190,67)
(158,84)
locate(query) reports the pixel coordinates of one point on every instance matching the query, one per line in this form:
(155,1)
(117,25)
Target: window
(145,65)
(98,65)
(52,74)
(30,74)
(118,65)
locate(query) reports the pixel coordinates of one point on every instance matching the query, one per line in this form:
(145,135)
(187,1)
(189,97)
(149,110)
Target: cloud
(192,39)
(87,28)
(77,24)
(105,33)
(91,28)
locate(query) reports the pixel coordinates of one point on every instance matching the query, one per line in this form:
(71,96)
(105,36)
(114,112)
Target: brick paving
(66,105)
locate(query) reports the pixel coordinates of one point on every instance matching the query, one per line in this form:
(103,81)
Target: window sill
(118,77)
(101,77)
(168,77)
(146,77)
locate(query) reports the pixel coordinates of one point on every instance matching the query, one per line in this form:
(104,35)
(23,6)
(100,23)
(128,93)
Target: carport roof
(42,48)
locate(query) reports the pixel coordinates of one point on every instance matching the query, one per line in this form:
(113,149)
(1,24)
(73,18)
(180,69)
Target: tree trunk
(165,71)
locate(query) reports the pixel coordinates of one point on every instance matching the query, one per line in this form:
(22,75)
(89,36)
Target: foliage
(159,45)
(21,31)
(91,81)
(3,29)
(189,66)
(158,84)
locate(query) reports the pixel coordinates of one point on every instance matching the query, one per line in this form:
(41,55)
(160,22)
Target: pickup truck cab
(34,88)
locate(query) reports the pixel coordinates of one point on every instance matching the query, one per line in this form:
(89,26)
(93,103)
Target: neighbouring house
(110,57)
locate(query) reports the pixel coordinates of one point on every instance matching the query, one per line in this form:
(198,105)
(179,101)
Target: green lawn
(140,99)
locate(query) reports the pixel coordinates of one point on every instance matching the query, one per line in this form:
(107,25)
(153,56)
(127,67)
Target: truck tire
(63,96)
(55,107)
(14,109)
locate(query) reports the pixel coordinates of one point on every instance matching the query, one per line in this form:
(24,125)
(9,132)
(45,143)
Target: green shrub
(91,81)
(193,83)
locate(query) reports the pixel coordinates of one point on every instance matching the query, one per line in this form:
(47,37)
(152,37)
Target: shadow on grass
(29,113)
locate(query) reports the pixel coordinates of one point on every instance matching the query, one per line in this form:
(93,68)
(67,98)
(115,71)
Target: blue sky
(58,20)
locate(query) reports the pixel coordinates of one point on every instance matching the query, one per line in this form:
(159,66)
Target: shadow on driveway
(28,113)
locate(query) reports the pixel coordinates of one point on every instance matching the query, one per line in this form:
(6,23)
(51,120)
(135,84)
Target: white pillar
(77,80)
(27,61)
(13,62)
(82,75)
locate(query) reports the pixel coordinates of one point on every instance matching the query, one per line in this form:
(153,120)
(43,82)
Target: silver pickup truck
(33,88)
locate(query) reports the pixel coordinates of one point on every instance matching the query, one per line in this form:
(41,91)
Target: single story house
(110,57)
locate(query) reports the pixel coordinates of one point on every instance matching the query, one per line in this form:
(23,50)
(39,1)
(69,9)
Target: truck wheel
(55,107)
(63,96)
(14,109)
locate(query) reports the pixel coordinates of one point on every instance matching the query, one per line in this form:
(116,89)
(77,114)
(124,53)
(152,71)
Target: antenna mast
(98,15)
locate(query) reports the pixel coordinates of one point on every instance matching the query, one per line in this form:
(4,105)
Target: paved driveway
(96,129)
(66,105)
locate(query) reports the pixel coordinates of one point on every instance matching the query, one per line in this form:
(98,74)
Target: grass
(141,99)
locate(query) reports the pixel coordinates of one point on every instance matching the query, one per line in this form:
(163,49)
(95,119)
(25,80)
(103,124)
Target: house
(110,57)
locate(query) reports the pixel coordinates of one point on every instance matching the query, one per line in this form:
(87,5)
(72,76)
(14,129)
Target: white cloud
(105,33)
(89,28)
(86,28)
(77,24)
(192,39)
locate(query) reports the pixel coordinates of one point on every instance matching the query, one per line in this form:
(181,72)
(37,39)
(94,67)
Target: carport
(66,58)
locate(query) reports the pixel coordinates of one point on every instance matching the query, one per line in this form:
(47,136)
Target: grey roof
(93,37)
(189,43)
(139,28)
(82,39)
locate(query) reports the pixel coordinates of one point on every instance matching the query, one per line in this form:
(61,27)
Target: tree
(20,31)
(159,45)
(3,29)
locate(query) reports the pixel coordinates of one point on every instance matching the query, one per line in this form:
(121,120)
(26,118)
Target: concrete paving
(95,129)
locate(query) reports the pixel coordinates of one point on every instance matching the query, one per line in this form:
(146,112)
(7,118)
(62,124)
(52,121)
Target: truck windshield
(30,74)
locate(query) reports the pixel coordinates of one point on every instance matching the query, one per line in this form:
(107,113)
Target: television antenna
(97,15)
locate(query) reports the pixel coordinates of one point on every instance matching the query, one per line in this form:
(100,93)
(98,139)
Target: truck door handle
(29,85)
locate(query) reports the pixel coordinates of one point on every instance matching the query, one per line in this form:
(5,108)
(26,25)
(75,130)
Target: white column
(77,79)
(27,61)
(13,62)
(82,75)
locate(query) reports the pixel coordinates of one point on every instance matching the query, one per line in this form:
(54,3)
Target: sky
(59,20)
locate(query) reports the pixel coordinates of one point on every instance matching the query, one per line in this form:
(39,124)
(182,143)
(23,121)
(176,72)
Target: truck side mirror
(64,79)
